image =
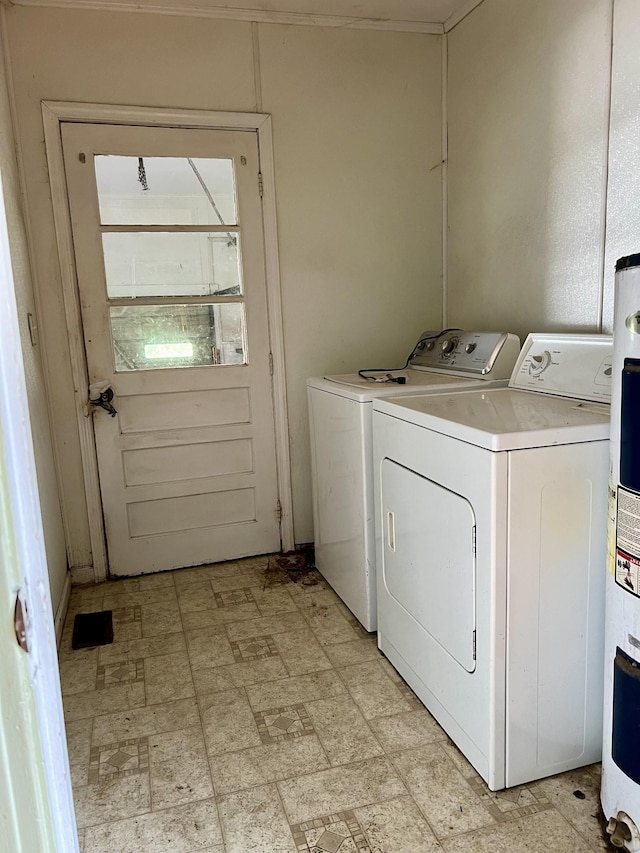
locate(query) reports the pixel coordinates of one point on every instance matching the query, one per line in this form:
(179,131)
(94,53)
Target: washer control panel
(480,354)
(566,365)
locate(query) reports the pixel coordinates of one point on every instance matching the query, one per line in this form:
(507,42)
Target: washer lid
(354,387)
(503,418)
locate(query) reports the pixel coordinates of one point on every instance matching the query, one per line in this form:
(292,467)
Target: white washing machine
(491,525)
(340,409)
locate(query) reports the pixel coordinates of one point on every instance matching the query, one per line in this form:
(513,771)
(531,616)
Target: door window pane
(171,264)
(165,191)
(147,337)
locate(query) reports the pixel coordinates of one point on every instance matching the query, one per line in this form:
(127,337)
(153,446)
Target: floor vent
(92,629)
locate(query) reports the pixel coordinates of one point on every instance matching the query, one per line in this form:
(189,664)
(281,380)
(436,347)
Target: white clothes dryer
(340,409)
(491,510)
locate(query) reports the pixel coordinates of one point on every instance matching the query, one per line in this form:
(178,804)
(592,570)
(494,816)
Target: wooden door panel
(154,465)
(191,512)
(183,409)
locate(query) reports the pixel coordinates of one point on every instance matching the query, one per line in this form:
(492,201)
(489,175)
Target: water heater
(621,744)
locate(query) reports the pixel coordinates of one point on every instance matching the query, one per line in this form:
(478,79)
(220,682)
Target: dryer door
(429,562)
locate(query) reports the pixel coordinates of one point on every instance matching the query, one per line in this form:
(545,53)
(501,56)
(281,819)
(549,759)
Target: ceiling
(427,16)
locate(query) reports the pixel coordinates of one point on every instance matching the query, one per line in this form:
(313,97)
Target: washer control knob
(470,347)
(539,363)
(430,345)
(448,345)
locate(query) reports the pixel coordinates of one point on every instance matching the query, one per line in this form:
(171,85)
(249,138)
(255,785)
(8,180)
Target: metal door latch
(103,398)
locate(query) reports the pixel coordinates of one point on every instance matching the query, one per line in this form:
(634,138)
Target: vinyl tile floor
(242,709)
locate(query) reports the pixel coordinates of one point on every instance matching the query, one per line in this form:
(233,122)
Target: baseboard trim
(61,612)
(82,575)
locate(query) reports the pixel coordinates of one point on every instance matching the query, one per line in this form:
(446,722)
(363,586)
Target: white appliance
(341,448)
(490,511)
(621,744)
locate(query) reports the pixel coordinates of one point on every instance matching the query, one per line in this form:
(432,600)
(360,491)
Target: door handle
(103,399)
(391,530)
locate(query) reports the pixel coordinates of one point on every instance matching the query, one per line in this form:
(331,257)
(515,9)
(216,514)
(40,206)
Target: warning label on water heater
(628,572)
(628,541)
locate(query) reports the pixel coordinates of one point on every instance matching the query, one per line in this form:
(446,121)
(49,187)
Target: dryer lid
(503,418)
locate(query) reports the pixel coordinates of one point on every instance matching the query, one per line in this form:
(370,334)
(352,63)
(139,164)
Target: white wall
(357,128)
(47,484)
(528,116)
(356,121)
(623,208)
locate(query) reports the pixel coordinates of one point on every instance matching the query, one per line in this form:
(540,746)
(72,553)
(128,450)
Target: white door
(35,787)
(168,239)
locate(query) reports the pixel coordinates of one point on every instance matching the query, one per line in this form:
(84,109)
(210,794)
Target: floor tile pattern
(242,707)
(127,614)
(117,760)
(254,649)
(512,803)
(285,723)
(339,833)
(120,673)
(230,599)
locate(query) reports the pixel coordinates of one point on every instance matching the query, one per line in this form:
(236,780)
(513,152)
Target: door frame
(54,113)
